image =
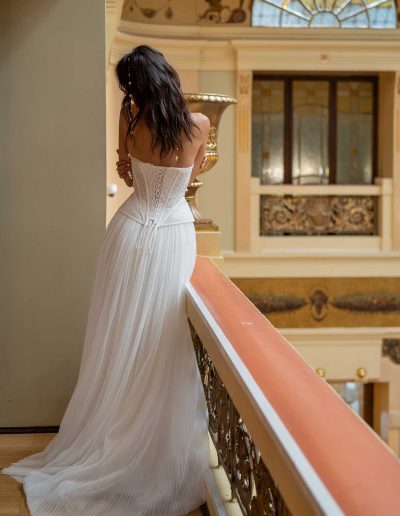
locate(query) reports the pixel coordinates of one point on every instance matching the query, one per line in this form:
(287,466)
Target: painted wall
(52,198)
(182,12)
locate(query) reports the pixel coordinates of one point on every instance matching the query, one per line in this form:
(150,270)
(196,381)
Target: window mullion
(288,139)
(332,132)
(375,87)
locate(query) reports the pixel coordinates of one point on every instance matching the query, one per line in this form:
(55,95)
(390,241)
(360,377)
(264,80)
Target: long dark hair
(153,85)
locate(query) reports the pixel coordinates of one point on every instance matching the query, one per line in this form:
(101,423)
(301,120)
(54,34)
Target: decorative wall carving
(319,301)
(237,453)
(164,7)
(319,304)
(275,302)
(244,83)
(195,12)
(293,302)
(317,215)
(225,11)
(391,349)
(379,301)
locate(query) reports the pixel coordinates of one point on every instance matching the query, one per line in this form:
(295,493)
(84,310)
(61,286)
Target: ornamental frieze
(317,215)
(351,302)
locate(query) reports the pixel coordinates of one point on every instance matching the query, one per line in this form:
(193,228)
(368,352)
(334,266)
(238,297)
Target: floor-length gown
(134,437)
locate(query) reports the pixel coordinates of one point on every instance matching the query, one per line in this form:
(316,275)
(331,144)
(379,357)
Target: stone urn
(212,105)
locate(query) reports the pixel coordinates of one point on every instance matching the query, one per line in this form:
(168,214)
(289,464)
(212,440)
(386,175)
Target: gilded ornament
(317,215)
(212,105)
(319,304)
(361,372)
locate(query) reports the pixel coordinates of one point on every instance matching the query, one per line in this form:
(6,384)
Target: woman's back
(159,182)
(158,198)
(141,146)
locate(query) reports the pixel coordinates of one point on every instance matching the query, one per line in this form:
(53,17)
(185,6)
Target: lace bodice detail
(159,194)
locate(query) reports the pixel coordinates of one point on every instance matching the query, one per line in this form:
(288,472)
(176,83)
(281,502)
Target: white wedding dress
(134,437)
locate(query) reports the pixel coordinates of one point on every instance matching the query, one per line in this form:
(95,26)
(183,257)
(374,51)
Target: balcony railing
(331,212)
(286,440)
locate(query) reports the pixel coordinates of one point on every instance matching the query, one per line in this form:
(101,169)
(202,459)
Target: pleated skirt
(134,437)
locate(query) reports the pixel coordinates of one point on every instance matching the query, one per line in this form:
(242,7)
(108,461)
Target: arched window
(352,14)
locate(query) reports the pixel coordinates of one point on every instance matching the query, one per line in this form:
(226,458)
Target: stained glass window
(354,131)
(353,14)
(267,131)
(314,130)
(310,132)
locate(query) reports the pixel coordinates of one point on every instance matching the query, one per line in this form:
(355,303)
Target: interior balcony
(283,441)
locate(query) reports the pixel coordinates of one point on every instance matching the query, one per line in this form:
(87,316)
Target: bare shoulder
(202,121)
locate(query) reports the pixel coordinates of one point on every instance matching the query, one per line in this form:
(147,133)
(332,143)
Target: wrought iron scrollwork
(251,482)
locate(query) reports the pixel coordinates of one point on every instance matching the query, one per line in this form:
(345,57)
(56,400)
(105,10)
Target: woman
(134,437)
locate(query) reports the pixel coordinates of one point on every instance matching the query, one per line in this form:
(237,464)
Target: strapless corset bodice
(159,194)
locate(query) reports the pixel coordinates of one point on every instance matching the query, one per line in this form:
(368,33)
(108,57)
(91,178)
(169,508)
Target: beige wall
(216,199)
(52,198)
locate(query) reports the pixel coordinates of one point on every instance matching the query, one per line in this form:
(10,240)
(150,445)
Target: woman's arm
(204,124)
(124,162)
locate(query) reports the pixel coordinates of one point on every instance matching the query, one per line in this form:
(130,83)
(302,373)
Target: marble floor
(12,448)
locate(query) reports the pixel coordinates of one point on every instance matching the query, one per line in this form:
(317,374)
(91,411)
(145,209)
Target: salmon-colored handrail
(361,472)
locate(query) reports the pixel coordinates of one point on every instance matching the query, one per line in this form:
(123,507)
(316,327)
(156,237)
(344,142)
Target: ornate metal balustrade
(317,215)
(251,483)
